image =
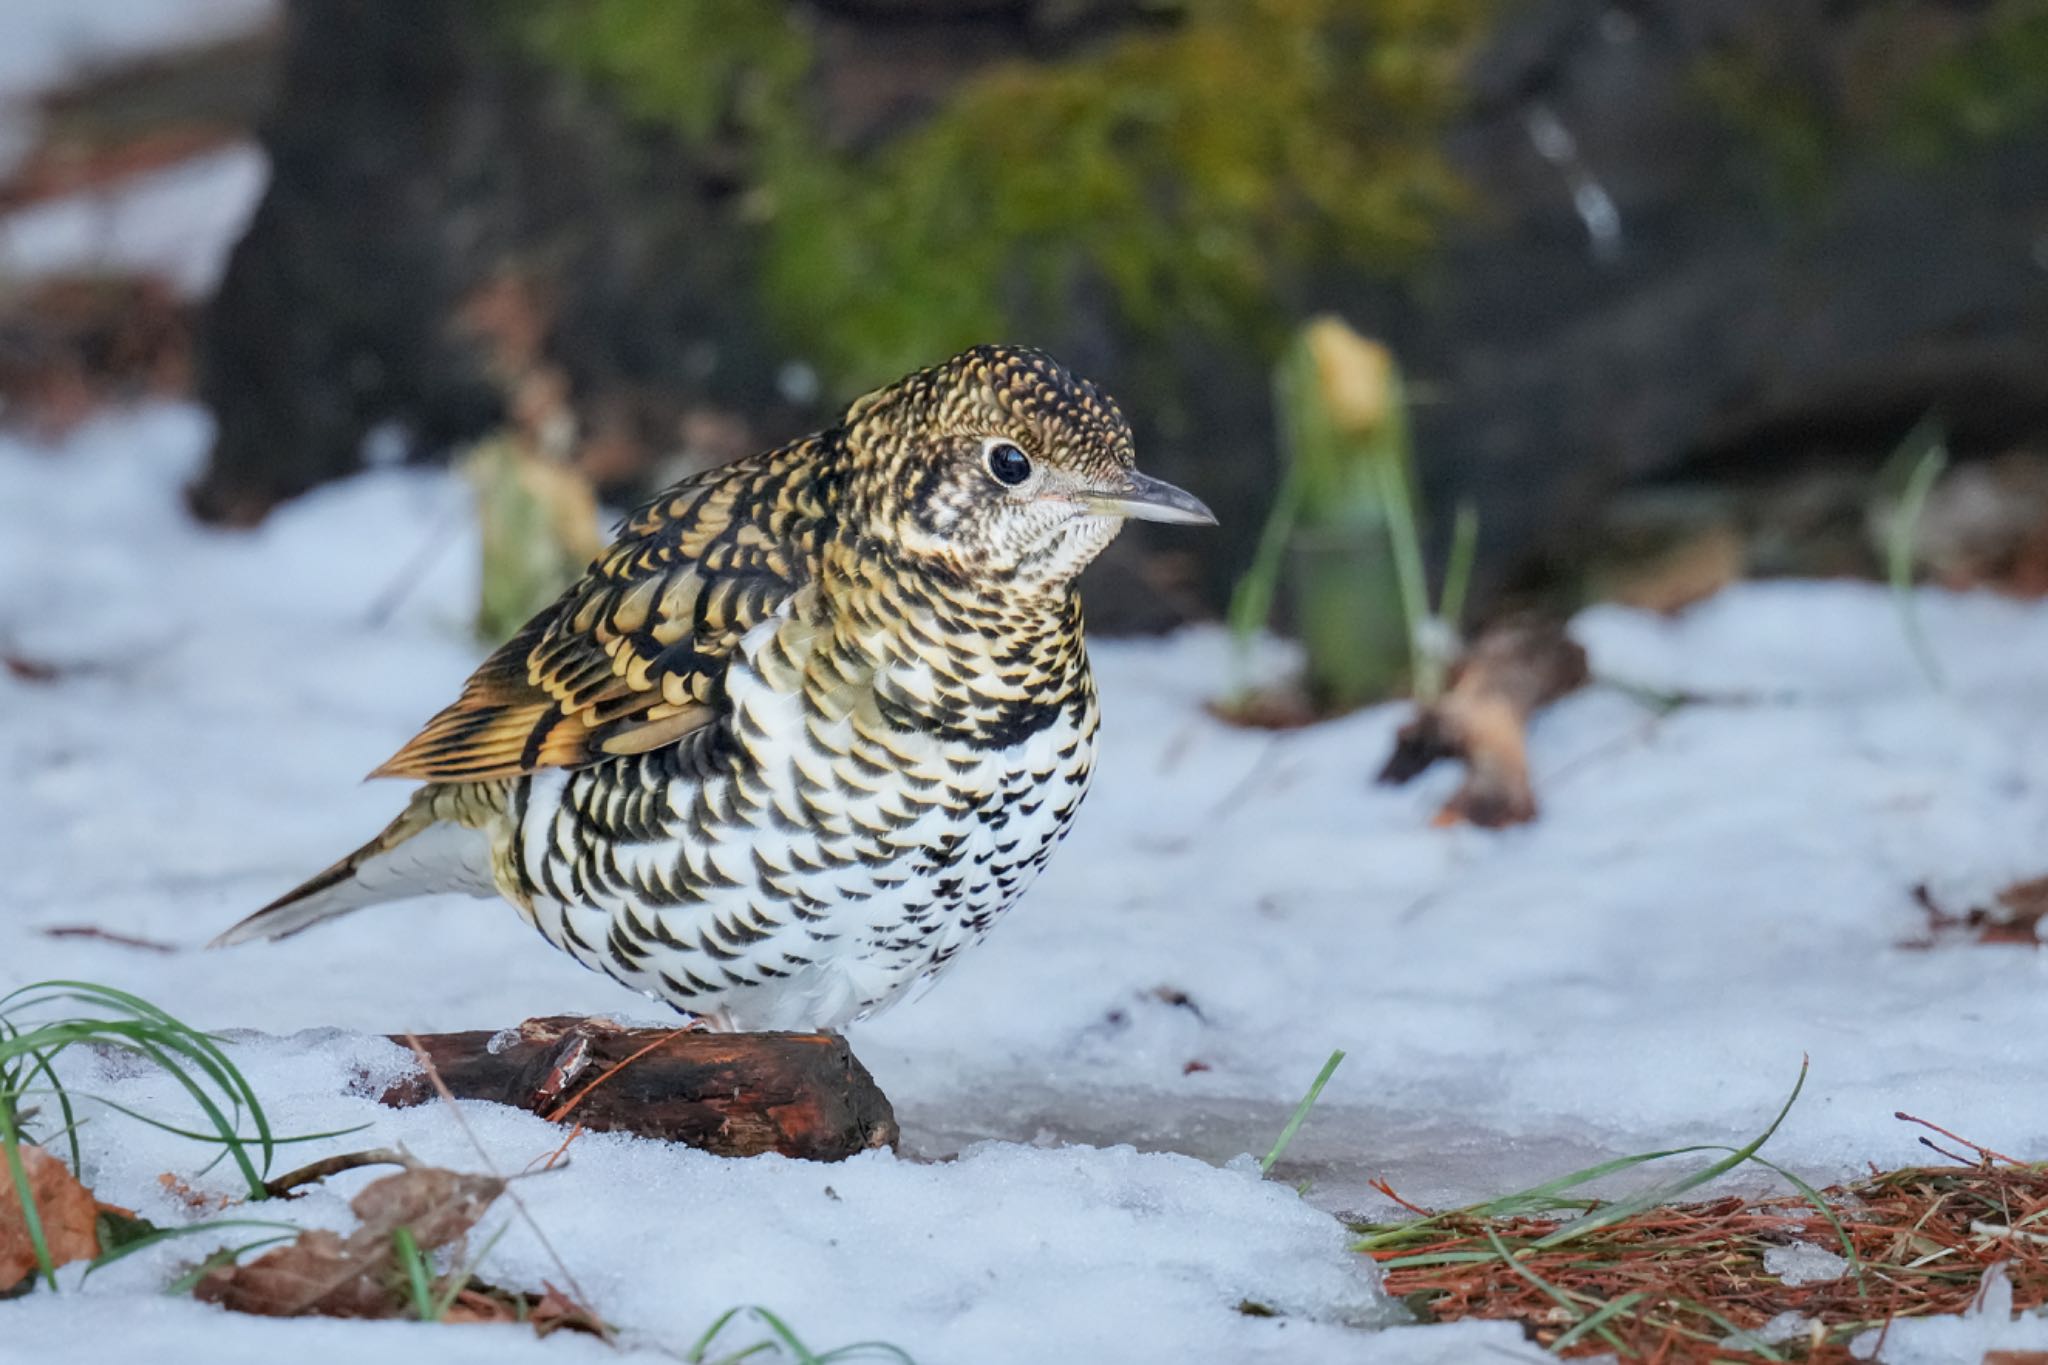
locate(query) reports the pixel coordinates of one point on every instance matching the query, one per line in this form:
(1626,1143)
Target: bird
(808,727)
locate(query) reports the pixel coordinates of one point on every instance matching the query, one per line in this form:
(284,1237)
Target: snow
(1990,1325)
(47,43)
(1804,1263)
(169,223)
(1709,896)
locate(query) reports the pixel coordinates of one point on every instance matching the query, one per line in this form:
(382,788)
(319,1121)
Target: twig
(107,936)
(1954,1137)
(1380,1183)
(282,1186)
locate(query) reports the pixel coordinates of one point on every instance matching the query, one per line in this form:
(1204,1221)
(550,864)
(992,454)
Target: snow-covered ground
(168,223)
(1708,896)
(48,44)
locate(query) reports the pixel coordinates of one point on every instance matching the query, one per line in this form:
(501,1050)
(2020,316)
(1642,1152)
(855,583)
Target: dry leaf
(1509,673)
(199,1201)
(557,1312)
(68,1211)
(357,1276)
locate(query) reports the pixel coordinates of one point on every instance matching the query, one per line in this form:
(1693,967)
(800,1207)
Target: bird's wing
(634,656)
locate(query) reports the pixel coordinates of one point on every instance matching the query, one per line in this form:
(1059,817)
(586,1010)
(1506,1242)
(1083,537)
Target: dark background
(1662,274)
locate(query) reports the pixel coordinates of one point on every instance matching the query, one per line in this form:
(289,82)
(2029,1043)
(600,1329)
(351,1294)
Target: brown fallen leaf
(555,1311)
(199,1201)
(69,1215)
(2016,922)
(357,1276)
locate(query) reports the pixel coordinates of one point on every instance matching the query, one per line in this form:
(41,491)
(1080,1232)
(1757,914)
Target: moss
(707,68)
(1186,170)
(1990,85)
(1915,83)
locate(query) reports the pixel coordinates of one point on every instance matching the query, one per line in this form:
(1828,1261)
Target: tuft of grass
(784,1342)
(1652,1276)
(40,1022)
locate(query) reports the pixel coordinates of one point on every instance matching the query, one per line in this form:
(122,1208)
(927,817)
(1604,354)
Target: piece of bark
(732,1094)
(1506,676)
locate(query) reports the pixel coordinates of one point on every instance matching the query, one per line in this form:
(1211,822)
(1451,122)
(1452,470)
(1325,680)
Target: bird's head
(1000,466)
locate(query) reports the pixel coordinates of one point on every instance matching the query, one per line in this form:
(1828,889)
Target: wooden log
(733,1094)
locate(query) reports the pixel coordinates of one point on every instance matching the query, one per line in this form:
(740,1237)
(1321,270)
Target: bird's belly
(818,882)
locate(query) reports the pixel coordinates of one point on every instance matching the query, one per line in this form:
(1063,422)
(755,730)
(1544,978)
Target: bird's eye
(1009,465)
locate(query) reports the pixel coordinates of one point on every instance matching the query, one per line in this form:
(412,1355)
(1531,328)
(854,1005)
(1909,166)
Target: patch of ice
(1804,1263)
(1789,1325)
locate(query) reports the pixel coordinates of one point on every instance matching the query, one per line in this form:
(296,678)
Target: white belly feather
(930,881)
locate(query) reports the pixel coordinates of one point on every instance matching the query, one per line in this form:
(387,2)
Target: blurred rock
(418,158)
(1638,298)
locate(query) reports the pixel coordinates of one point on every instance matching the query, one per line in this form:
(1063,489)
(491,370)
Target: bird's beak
(1145,498)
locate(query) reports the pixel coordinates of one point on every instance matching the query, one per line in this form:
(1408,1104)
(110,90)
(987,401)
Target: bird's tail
(427,849)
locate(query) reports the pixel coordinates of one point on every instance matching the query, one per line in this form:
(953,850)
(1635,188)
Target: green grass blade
(1300,1115)
(788,1338)
(168,1032)
(1755,1347)
(885,1349)
(143,1243)
(1903,543)
(1458,567)
(418,1278)
(703,1343)
(1543,1198)
(459,1281)
(31,1216)
(1596,1320)
(189,1281)
(1813,1197)
(1629,1208)
(1548,1289)
(1409,576)
(230,1139)
(195,1134)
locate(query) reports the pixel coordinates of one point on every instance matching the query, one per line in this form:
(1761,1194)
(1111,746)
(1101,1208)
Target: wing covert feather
(633,657)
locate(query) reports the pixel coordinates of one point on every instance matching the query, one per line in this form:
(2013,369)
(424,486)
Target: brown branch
(282,1186)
